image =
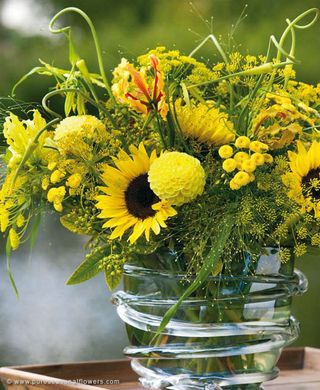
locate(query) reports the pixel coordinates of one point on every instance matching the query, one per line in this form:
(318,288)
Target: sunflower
(129,201)
(204,123)
(304,179)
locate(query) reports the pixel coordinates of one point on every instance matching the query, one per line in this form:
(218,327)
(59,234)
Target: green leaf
(89,268)
(8,253)
(35,228)
(73,55)
(112,281)
(210,264)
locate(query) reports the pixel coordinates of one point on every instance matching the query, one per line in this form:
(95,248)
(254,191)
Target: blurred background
(51,321)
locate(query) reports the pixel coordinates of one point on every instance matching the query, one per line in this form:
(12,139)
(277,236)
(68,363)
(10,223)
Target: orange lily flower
(144,98)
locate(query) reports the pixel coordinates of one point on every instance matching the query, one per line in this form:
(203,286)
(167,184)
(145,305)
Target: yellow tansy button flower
(225,151)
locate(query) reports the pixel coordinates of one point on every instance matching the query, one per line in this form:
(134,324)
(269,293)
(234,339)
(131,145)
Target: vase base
(155,380)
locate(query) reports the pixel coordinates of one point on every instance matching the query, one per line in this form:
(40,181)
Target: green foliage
(90,267)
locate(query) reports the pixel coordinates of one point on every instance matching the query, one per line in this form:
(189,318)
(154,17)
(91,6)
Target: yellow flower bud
(258,158)
(56,195)
(45,183)
(268,159)
(57,176)
(14,239)
(257,146)
(242,142)
(20,221)
(52,165)
(229,165)
(242,178)
(58,206)
(74,180)
(249,166)
(225,151)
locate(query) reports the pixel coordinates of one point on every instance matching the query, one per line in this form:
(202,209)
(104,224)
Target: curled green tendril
(61,91)
(67,29)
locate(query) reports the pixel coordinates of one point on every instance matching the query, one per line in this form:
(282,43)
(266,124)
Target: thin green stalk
(95,39)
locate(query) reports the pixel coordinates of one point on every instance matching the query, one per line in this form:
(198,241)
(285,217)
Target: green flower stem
(95,39)
(290,29)
(257,70)
(216,43)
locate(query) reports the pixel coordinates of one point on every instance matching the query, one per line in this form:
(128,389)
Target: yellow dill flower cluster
(176,177)
(204,123)
(245,162)
(181,66)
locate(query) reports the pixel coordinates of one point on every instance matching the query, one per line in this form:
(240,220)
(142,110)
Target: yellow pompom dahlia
(176,177)
(204,123)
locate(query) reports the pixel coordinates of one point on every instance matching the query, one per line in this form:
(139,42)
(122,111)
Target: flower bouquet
(198,183)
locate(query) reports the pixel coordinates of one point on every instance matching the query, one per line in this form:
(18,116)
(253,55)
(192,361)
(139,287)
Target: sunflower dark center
(311,184)
(139,198)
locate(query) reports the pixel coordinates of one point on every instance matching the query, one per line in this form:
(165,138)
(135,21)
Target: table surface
(300,370)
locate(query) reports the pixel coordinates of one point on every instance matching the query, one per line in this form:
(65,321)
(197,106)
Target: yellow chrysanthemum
(204,123)
(304,179)
(19,135)
(177,177)
(129,201)
(70,132)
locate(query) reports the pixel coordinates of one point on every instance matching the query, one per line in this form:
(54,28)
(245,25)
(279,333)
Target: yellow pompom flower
(20,221)
(268,159)
(229,165)
(205,123)
(240,157)
(257,146)
(234,185)
(242,142)
(249,166)
(74,180)
(258,158)
(242,178)
(176,177)
(57,176)
(225,151)
(14,239)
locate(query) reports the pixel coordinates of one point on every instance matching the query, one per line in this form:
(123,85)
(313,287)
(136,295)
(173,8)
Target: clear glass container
(228,334)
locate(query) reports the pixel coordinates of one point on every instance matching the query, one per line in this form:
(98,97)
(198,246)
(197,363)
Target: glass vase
(228,334)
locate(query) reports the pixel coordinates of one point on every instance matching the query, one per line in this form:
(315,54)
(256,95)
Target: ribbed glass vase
(228,334)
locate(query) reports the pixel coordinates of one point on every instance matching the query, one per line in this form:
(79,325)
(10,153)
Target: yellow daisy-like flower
(304,179)
(204,123)
(177,177)
(129,202)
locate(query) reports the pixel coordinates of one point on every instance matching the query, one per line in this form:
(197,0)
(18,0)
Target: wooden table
(300,370)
